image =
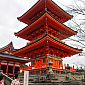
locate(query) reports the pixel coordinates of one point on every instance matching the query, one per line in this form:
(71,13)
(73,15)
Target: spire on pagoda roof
(44,21)
(40,8)
(47,40)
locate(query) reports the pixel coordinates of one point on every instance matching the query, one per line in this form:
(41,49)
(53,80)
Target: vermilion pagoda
(45,31)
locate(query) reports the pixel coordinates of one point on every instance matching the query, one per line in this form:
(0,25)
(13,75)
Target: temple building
(45,31)
(9,63)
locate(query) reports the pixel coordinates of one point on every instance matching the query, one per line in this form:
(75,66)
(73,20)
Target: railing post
(7,69)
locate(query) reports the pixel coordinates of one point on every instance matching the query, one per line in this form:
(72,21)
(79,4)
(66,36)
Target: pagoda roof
(40,8)
(10,57)
(50,41)
(9,48)
(42,22)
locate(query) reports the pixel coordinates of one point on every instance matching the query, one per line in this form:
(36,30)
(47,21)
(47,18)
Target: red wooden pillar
(13,69)
(7,68)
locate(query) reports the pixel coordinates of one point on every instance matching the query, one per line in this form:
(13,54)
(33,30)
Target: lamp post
(50,74)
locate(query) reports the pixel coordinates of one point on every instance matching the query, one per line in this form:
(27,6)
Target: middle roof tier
(45,24)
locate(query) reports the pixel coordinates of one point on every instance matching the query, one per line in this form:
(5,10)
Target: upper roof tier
(45,24)
(40,8)
(46,45)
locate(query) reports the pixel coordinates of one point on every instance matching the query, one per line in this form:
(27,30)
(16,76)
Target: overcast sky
(9,11)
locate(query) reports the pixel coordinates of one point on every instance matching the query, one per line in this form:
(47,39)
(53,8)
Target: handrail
(7,80)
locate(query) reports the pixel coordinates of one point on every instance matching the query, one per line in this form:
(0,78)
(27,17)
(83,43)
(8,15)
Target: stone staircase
(41,80)
(59,80)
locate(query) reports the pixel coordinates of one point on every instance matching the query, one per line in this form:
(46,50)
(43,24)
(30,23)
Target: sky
(10,10)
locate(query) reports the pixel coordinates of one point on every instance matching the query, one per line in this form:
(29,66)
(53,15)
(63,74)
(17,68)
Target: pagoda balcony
(44,63)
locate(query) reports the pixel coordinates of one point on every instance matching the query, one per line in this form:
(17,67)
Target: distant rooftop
(8,48)
(6,56)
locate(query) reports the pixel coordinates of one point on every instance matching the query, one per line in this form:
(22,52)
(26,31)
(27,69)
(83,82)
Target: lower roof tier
(46,45)
(45,24)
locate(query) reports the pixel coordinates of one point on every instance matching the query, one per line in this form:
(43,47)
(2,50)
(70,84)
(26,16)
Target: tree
(77,9)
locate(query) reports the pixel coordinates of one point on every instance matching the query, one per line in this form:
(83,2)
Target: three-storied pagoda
(45,31)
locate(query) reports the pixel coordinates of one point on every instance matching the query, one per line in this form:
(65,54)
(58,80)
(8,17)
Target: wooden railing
(7,80)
